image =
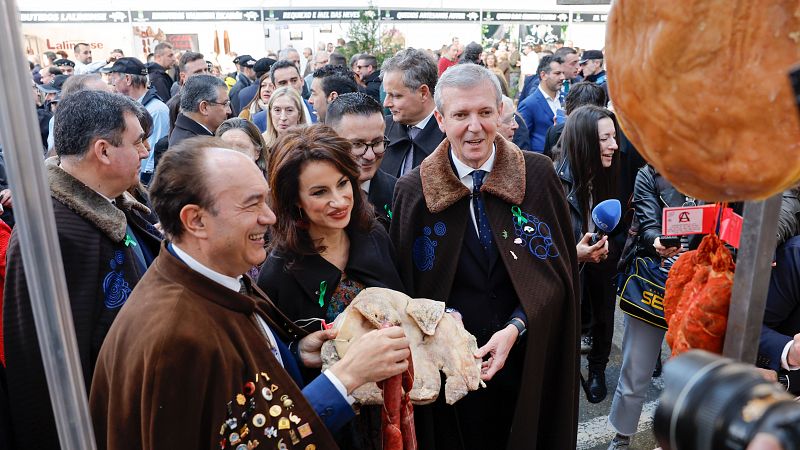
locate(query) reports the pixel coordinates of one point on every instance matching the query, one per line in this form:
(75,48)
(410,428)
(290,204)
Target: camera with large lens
(715,403)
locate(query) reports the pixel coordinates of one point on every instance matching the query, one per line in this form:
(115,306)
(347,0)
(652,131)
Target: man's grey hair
(508,104)
(417,67)
(77,83)
(284,53)
(466,76)
(198,89)
(82,119)
(139,81)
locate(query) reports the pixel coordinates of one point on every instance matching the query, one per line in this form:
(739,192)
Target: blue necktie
(478,207)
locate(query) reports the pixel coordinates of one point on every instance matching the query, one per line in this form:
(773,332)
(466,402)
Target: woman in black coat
(588,168)
(326,244)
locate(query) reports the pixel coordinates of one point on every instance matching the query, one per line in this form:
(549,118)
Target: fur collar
(442,188)
(90,205)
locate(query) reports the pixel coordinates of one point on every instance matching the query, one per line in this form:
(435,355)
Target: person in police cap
(247,74)
(67,66)
(129,77)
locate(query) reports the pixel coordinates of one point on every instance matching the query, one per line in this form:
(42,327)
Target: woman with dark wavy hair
(589,168)
(326,244)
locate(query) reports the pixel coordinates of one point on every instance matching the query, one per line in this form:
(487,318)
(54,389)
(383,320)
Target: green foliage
(365,37)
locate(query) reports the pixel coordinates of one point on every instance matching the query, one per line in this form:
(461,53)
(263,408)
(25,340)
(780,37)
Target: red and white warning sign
(688,220)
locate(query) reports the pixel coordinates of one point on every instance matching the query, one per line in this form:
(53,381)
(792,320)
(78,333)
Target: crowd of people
(211,225)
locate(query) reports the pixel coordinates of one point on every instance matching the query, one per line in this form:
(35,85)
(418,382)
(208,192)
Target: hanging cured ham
(701,88)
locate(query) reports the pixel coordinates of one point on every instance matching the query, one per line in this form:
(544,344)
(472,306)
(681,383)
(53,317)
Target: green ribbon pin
(322,288)
(388,211)
(129,241)
(518,215)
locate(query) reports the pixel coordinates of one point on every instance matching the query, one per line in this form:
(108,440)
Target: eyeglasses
(226,104)
(360,148)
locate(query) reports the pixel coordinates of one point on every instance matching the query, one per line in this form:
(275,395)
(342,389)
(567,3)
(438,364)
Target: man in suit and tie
(358,118)
(540,108)
(409,79)
(483,226)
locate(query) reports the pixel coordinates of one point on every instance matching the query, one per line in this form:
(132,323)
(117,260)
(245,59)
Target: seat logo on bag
(654,300)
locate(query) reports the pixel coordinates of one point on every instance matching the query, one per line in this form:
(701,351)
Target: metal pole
(35,226)
(751,280)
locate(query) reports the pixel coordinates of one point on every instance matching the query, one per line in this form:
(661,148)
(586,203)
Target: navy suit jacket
(782,313)
(538,117)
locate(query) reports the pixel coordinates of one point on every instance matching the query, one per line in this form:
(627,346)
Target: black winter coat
(373,85)
(616,238)
(295,288)
(381,189)
(160,80)
(186,128)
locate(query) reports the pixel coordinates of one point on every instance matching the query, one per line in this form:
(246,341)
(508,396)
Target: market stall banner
(523,16)
(316,15)
(247,15)
(311,15)
(423,15)
(74,16)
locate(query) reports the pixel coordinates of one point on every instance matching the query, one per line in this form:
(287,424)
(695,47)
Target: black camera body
(715,403)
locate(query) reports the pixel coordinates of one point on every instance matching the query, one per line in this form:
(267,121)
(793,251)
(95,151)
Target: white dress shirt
(553,103)
(465,175)
(408,161)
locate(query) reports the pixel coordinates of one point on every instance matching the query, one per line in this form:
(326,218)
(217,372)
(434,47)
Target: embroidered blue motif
(424,250)
(439,228)
(115,288)
(535,236)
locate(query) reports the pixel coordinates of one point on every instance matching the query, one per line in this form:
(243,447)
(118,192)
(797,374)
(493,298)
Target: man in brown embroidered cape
(504,257)
(197,358)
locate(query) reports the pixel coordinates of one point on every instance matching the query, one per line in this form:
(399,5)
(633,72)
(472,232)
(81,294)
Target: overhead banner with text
(289,15)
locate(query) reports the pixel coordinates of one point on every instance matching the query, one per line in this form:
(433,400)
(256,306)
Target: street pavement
(593,429)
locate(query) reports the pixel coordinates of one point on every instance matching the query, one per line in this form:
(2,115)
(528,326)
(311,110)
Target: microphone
(605,215)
